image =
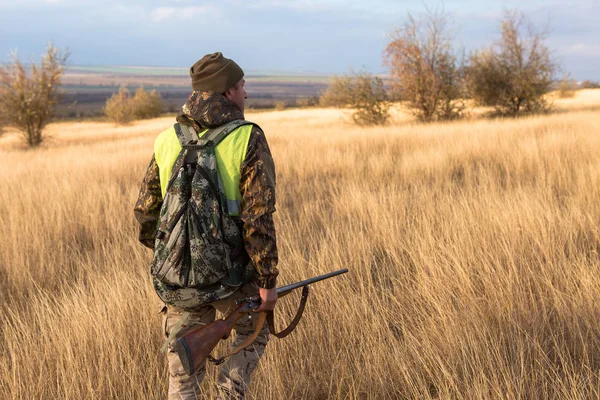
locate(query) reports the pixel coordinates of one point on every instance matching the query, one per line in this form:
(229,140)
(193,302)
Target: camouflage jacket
(257,186)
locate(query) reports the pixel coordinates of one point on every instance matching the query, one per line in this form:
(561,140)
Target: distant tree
(119,107)
(279,105)
(337,93)
(566,88)
(426,71)
(310,101)
(122,108)
(515,73)
(362,92)
(146,104)
(590,85)
(28,99)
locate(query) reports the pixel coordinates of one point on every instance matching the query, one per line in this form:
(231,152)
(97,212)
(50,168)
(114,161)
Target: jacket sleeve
(257,186)
(147,207)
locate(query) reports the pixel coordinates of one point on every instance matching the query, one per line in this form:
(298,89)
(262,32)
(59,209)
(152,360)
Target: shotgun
(195,345)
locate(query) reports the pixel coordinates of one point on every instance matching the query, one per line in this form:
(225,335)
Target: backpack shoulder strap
(218,134)
(186,134)
(187,137)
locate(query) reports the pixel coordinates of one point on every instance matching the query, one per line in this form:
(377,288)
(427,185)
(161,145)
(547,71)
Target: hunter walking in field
(205,207)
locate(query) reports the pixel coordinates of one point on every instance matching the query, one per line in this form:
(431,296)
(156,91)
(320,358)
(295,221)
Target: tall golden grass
(472,249)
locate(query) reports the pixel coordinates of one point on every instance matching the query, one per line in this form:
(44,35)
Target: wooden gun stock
(194,346)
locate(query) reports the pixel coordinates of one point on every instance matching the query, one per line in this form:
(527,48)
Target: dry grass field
(473,250)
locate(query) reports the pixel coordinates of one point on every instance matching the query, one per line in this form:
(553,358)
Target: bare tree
(426,71)
(515,73)
(362,92)
(27,100)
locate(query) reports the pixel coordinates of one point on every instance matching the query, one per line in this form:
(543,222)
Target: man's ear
(227,94)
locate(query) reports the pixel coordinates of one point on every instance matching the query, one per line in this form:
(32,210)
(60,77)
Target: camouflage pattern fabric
(190,249)
(208,110)
(234,377)
(195,234)
(148,205)
(257,186)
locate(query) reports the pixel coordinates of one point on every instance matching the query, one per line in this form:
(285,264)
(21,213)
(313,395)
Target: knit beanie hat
(215,73)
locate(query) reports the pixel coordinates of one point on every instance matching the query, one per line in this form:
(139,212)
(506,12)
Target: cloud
(298,5)
(163,13)
(585,49)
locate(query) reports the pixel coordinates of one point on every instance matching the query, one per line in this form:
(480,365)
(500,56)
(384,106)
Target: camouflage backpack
(195,234)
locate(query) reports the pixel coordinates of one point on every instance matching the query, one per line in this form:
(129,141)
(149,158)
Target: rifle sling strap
(261,322)
(294,322)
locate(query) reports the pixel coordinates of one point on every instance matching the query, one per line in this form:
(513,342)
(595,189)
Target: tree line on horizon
(438,82)
(428,74)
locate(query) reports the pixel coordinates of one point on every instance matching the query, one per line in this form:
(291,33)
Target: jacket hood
(205,109)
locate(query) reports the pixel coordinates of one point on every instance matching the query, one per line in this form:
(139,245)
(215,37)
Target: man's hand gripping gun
(196,344)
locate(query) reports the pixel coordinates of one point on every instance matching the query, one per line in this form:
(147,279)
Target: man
(246,167)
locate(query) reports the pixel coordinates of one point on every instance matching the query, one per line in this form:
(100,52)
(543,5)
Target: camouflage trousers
(234,377)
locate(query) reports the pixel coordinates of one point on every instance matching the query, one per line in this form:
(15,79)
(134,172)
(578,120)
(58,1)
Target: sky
(270,36)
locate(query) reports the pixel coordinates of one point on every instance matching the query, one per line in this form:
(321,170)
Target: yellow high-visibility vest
(230,153)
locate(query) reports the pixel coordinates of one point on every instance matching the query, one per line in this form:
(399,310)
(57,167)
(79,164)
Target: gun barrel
(285,289)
